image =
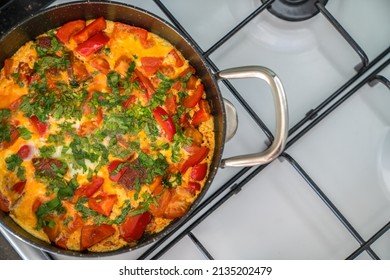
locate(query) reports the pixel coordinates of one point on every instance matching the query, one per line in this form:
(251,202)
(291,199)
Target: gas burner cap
(294,10)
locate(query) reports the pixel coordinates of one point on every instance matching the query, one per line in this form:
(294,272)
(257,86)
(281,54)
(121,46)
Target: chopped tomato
(151,64)
(170,104)
(123,30)
(19,187)
(131,100)
(76,223)
(15,104)
(115,174)
(186,71)
(37,202)
(203,114)
(167,70)
(93,44)
(122,64)
(54,230)
(40,127)
(68,29)
(191,83)
(25,152)
(4,203)
(101,64)
(93,234)
(142,35)
(165,122)
(8,62)
(179,62)
(191,100)
(194,134)
(99,115)
(133,227)
(87,128)
(193,187)
(163,199)
(198,172)
(24,72)
(177,86)
(78,70)
(150,90)
(102,203)
(88,189)
(178,205)
(198,153)
(90,30)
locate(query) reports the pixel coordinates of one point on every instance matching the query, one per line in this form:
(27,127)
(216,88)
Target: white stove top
(329,194)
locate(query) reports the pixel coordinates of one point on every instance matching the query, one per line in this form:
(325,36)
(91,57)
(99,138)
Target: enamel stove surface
(328,195)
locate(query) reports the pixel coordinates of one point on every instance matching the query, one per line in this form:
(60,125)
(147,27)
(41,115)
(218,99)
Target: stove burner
(294,10)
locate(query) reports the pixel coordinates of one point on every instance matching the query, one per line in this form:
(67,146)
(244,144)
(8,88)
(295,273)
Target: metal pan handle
(281,112)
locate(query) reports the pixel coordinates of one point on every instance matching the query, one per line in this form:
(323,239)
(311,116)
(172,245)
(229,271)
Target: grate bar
(366,245)
(314,112)
(380,79)
(347,37)
(236,188)
(200,246)
(242,101)
(338,103)
(197,210)
(183,31)
(238,27)
(328,203)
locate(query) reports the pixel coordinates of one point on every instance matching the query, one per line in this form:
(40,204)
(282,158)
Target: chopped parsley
(14,164)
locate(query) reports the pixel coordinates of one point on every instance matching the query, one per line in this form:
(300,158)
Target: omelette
(106,135)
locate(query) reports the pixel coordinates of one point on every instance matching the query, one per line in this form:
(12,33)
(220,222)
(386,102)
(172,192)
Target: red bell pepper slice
(113,171)
(40,127)
(179,62)
(150,90)
(133,227)
(88,189)
(19,187)
(193,99)
(90,30)
(131,100)
(68,29)
(93,234)
(102,203)
(198,172)
(193,187)
(93,44)
(198,153)
(203,114)
(151,64)
(165,121)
